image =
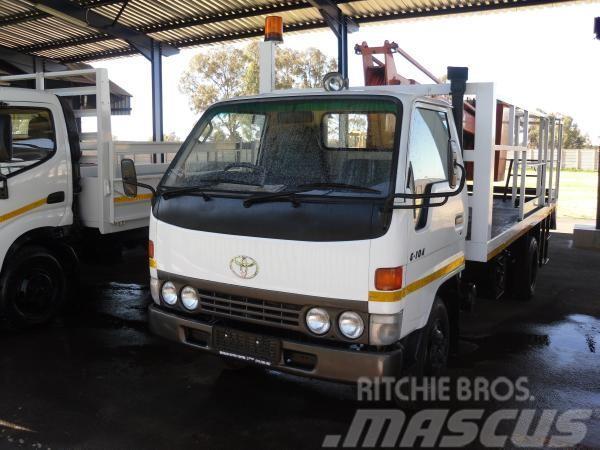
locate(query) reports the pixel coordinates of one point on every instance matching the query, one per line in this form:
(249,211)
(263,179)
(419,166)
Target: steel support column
(341,25)
(157,95)
(597,33)
(343,48)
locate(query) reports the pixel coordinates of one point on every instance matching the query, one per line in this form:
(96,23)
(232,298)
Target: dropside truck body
(60,189)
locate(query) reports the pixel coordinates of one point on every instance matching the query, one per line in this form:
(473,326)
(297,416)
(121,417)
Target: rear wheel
(525,269)
(33,287)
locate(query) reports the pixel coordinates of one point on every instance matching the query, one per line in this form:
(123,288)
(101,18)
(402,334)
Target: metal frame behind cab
(531,211)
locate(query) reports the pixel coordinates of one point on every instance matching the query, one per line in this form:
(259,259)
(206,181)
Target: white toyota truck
(60,188)
(336,234)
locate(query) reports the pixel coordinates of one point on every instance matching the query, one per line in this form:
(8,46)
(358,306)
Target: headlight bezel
(360,324)
(169,285)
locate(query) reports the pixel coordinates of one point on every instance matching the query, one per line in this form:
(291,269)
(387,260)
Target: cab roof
(404,93)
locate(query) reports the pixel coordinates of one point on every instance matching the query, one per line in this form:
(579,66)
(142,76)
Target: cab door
(34,173)
(435,241)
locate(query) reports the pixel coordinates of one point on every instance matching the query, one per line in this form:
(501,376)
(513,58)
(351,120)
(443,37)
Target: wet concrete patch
(97,379)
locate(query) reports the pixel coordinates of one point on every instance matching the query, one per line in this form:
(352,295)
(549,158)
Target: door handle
(56,197)
(459,223)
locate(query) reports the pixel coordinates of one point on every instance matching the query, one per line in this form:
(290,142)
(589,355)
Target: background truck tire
(525,268)
(33,287)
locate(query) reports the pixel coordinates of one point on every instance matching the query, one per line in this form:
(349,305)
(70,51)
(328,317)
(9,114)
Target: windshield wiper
(172,192)
(218,180)
(340,186)
(289,194)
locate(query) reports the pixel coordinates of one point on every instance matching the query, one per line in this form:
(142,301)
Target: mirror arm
(142,185)
(444,195)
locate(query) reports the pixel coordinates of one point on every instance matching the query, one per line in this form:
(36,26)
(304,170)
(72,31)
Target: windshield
(275,146)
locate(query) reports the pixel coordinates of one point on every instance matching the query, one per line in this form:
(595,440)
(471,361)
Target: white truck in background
(337,234)
(60,187)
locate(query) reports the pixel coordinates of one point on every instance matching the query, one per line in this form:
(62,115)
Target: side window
(33,136)
(428,147)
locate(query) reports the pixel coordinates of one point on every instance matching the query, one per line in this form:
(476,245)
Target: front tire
(33,287)
(433,353)
(436,340)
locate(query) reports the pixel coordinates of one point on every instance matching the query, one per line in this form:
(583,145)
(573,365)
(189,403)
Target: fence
(582,159)
(575,158)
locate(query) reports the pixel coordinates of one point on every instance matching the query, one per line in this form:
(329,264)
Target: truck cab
(314,232)
(60,189)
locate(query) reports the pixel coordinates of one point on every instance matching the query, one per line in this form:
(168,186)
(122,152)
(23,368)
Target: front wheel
(436,340)
(432,356)
(33,287)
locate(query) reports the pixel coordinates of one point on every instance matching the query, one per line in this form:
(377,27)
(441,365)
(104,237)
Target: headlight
(351,325)
(317,320)
(189,297)
(169,293)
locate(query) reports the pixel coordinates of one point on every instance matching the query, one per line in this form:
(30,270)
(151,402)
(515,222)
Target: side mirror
(6,148)
(129,176)
(452,152)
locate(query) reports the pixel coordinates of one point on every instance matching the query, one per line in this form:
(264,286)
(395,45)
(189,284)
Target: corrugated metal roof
(184,23)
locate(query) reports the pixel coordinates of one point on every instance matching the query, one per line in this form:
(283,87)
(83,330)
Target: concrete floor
(97,379)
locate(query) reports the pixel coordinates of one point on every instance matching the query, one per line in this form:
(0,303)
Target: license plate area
(250,347)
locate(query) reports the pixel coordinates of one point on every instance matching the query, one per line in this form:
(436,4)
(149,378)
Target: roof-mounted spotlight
(334,81)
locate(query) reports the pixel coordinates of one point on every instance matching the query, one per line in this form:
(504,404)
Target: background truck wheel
(525,269)
(33,287)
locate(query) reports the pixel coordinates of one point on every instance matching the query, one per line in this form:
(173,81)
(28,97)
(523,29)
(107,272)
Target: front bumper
(326,362)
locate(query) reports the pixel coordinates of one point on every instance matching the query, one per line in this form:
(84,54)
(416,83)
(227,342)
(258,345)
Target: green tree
(572,136)
(172,137)
(227,72)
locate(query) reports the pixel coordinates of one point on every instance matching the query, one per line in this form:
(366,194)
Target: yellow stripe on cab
(395,296)
(23,210)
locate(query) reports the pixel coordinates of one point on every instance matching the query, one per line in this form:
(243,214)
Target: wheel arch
(52,239)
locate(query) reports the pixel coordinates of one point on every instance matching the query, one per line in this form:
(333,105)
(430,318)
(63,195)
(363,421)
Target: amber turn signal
(388,279)
(274,28)
(150,249)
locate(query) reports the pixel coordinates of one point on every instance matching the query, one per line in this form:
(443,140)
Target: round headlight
(351,325)
(169,293)
(189,297)
(317,320)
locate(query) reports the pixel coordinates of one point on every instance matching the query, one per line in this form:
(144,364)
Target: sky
(539,57)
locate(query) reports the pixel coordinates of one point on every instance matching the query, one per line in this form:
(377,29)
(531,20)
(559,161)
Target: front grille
(249,309)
